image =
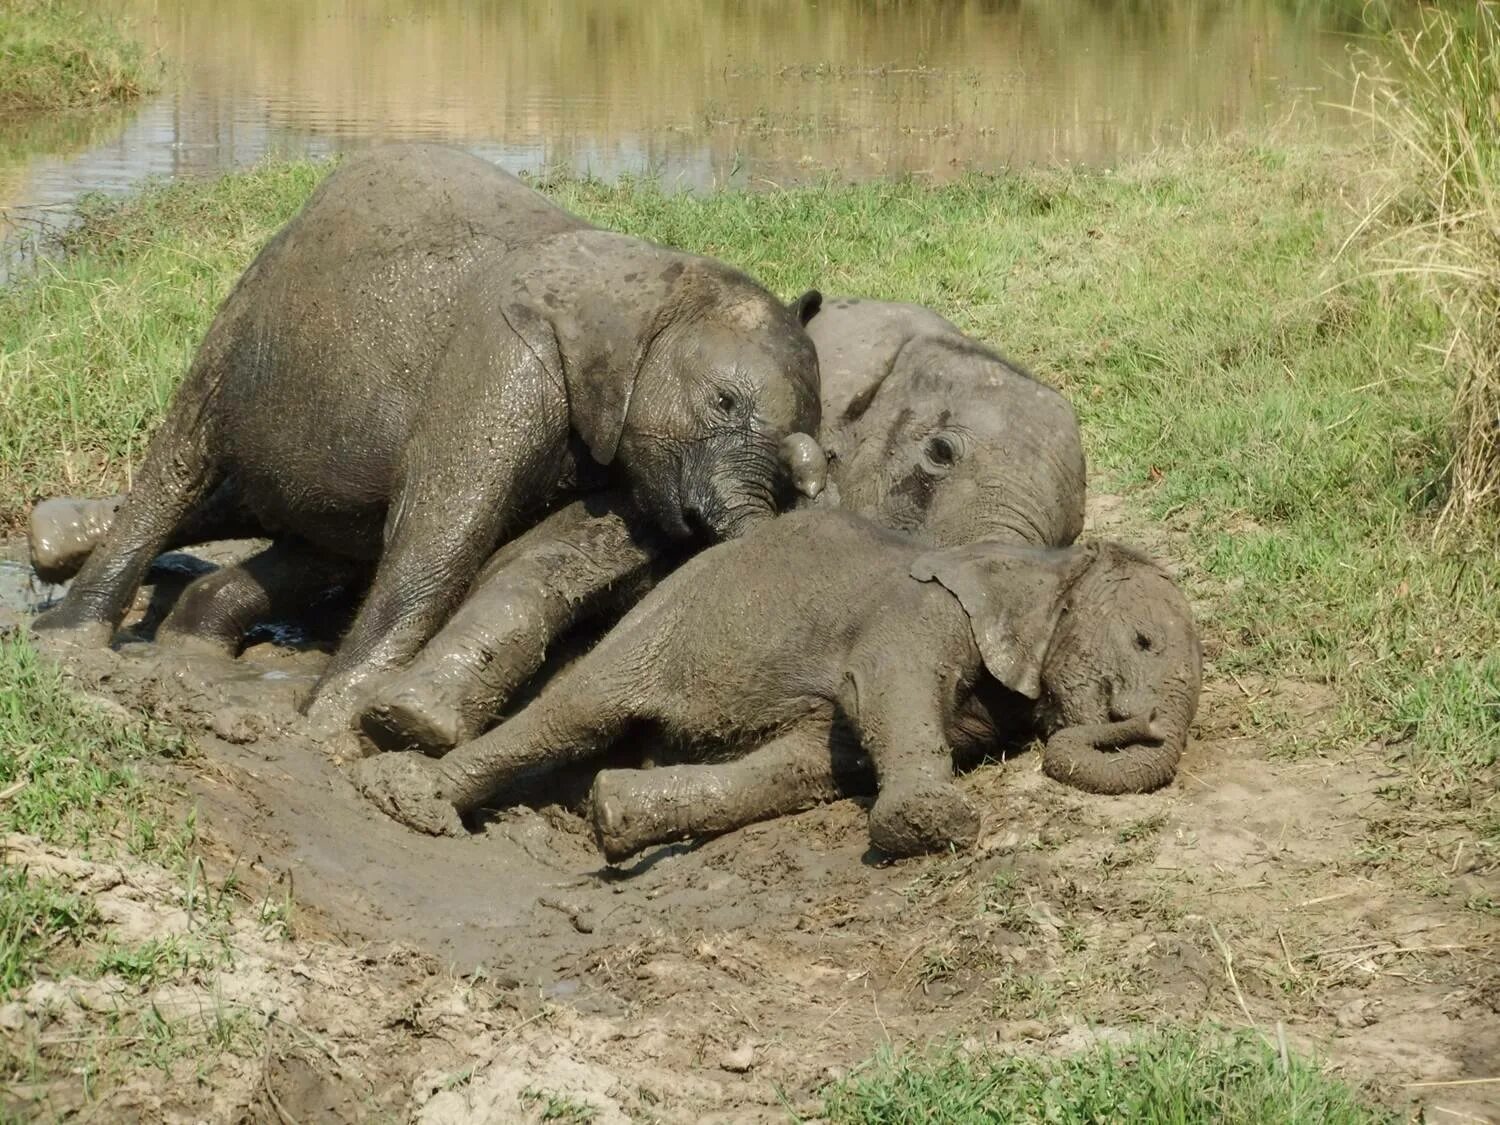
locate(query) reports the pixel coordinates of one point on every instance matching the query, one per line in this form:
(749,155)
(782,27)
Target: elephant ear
(1014,596)
(805,307)
(621,294)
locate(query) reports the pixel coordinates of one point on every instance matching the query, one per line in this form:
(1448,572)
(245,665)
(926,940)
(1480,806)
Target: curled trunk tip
(1132,756)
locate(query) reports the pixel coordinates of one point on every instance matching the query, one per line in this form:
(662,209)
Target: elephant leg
(63,531)
(803,767)
(894,705)
(219,608)
(179,473)
(579,716)
(579,563)
(482,452)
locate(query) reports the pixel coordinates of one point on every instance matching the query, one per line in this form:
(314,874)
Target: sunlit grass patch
(65,54)
(1171,1077)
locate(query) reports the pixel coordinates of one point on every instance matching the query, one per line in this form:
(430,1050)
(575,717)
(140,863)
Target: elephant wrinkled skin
(820,635)
(425,360)
(928,432)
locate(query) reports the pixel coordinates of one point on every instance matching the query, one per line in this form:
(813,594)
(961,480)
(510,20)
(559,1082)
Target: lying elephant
(929,432)
(423,361)
(819,634)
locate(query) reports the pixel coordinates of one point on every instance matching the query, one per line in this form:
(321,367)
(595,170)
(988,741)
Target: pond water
(700,93)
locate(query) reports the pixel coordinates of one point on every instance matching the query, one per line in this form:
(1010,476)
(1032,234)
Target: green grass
(75,773)
(1235,372)
(78,767)
(66,54)
(1166,1078)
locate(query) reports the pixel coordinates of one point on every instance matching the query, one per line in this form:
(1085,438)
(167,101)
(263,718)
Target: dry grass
(1436,92)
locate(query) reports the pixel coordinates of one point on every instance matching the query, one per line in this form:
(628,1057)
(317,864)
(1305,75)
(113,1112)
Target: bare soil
(467,981)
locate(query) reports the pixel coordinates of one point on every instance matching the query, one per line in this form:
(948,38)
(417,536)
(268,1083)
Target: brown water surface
(699,93)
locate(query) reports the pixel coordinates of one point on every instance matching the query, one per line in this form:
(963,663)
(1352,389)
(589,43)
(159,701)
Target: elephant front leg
(896,707)
(803,767)
(485,450)
(579,716)
(574,565)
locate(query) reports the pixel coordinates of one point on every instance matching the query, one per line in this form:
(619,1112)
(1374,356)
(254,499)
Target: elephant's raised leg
(179,473)
(63,531)
(218,609)
(578,563)
(803,767)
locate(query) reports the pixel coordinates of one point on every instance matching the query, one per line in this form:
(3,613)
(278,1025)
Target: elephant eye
(728,401)
(1144,643)
(940,451)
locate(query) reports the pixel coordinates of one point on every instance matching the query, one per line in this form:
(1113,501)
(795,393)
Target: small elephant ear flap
(807,306)
(1014,597)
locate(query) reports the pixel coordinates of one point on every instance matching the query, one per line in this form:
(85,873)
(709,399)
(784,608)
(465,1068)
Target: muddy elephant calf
(820,636)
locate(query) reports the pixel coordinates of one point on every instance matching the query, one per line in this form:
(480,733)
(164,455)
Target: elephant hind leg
(807,765)
(63,531)
(181,469)
(281,581)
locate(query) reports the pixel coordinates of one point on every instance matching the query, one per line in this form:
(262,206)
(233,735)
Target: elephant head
(696,380)
(1102,642)
(934,434)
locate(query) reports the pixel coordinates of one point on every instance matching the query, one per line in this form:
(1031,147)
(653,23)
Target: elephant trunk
(806,462)
(1134,755)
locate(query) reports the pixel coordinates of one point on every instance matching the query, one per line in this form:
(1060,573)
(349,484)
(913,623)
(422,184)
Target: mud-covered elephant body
(820,635)
(430,356)
(928,432)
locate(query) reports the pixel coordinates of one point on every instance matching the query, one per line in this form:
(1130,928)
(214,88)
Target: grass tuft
(1437,95)
(1166,1078)
(65,54)
(73,770)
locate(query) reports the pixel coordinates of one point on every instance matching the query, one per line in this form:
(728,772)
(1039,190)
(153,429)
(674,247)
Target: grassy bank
(1164,1078)
(63,54)
(80,821)
(1282,404)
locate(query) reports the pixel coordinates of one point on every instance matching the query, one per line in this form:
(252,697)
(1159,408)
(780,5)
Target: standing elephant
(428,358)
(821,634)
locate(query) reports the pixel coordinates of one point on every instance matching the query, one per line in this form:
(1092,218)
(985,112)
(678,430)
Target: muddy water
(701,93)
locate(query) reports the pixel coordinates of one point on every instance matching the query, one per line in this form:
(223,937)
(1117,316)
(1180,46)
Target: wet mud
(447,980)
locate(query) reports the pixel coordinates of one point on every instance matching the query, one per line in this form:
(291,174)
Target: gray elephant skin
(819,636)
(424,361)
(928,432)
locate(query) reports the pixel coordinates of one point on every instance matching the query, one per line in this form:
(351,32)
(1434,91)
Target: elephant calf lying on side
(819,634)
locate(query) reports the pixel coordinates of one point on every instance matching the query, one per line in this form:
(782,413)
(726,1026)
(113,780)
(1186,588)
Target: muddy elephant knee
(930,816)
(63,531)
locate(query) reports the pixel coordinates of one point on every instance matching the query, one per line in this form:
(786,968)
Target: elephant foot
(411,719)
(931,817)
(63,531)
(176,640)
(406,788)
(66,629)
(622,823)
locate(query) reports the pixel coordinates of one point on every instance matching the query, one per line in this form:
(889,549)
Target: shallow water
(701,94)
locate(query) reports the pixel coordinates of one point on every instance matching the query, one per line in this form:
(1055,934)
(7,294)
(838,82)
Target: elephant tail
(1131,756)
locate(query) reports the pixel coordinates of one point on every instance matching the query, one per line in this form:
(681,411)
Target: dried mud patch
(511,976)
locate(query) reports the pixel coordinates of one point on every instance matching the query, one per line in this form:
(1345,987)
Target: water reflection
(705,93)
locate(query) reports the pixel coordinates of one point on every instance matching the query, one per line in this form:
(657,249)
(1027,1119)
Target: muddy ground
(512,974)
